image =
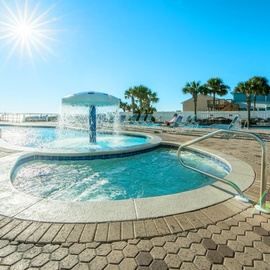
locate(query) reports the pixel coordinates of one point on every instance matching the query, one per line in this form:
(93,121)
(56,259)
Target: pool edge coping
(23,206)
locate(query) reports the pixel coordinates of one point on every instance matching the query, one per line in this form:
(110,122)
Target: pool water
(155,173)
(66,140)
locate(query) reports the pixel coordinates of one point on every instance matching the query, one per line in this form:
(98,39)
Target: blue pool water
(66,140)
(260,127)
(155,173)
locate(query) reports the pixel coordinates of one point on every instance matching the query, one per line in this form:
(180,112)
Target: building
(205,103)
(262,102)
(237,103)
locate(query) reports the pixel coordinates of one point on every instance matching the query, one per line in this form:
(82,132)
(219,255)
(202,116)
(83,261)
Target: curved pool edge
(153,140)
(23,206)
(37,154)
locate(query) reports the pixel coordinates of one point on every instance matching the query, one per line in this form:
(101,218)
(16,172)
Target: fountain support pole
(91,100)
(92,124)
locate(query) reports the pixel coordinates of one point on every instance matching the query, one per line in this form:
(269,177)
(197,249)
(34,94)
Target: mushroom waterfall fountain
(91,100)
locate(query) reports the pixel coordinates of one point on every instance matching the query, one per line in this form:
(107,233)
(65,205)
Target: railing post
(261,206)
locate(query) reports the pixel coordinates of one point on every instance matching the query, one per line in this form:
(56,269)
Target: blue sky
(111,45)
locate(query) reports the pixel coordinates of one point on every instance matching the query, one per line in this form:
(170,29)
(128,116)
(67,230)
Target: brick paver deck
(229,235)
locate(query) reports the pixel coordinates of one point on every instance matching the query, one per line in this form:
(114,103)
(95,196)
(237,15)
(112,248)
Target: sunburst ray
(26,29)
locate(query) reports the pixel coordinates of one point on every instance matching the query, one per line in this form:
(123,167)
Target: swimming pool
(67,140)
(25,206)
(155,173)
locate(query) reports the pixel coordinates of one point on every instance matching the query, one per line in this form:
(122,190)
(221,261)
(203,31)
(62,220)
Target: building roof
(210,97)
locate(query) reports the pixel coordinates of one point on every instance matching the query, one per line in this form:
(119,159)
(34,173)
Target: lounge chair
(122,118)
(132,119)
(44,118)
(148,119)
(193,123)
(186,122)
(141,119)
(161,128)
(232,124)
(228,126)
(175,124)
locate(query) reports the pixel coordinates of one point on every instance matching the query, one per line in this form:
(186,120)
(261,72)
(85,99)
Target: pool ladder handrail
(261,206)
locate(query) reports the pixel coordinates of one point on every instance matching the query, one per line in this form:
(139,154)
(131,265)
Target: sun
(26,30)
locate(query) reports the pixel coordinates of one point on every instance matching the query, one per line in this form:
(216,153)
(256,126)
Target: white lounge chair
(122,118)
(193,123)
(132,119)
(141,119)
(232,125)
(175,124)
(148,119)
(186,122)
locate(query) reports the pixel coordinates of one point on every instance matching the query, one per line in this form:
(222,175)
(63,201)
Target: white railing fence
(27,117)
(166,116)
(159,116)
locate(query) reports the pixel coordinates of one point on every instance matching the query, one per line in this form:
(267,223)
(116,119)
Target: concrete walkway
(229,235)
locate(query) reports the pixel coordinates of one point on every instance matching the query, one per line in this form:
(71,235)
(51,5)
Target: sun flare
(26,30)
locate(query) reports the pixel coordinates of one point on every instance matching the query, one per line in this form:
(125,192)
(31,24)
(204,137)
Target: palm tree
(215,87)
(260,86)
(130,93)
(151,98)
(141,92)
(247,89)
(152,110)
(129,108)
(194,88)
(144,96)
(123,106)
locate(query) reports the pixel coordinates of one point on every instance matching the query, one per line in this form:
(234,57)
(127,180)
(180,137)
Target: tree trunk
(248,109)
(147,108)
(141,106)
(195,105)
(254,103)
(214,101)
(133,104)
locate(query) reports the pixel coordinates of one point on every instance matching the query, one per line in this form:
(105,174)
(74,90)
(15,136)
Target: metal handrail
(261,206)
